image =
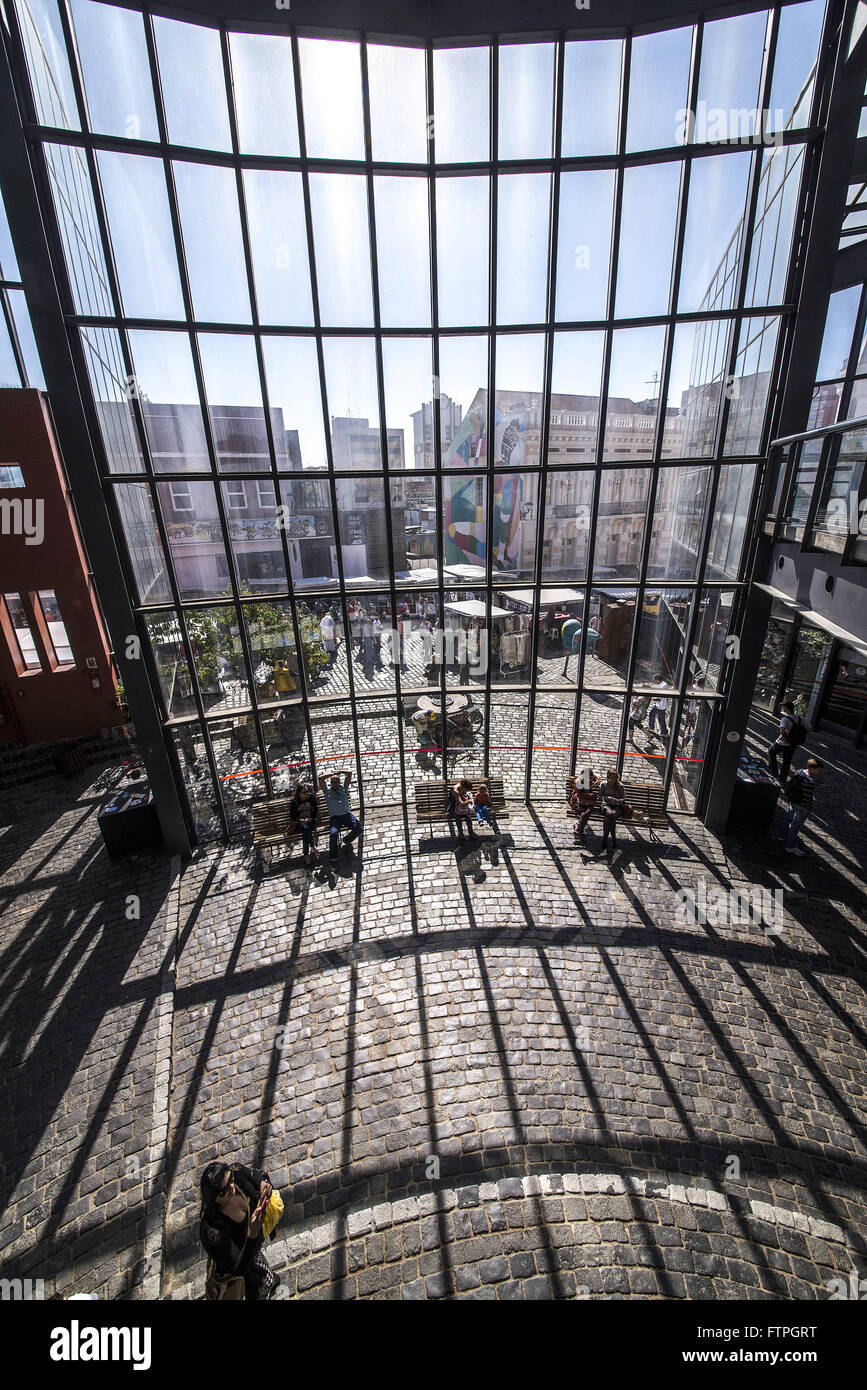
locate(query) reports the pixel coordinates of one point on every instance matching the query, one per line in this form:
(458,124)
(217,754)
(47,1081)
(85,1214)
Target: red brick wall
(41,706)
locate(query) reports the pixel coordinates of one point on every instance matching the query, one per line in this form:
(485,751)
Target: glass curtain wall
(430,396)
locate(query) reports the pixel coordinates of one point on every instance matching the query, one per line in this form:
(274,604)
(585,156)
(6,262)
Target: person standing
(329,637)
(788,739)
(583,802)
(376,627)
(230,1229)
(612,797)
(461,806)
(336,793)
(800,790)
(637,715)
(659,711)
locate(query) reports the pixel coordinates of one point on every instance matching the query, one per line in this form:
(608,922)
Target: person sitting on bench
(336,795)
(483,803)
(461,806)
(302,810)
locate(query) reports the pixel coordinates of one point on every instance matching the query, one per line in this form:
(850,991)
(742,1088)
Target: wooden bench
(432,799)
(272,824)
(647,800)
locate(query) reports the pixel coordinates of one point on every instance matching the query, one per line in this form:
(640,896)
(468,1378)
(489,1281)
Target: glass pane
(331,85)
(509,740)
(380,760)
(137,207)
(278,246)
(292,375)
(143,545)
(568,506)
(774,654)
(195,538)
(751,386)
(555,661)
(417,617)
(464,398)
(599,733)
(575,386)
(370,626)
(609,637)
(664,619)
(398,103)
(26,340)
(263,81)
(406,365)
(713,238)
(403,251)
(309,526)
(649,219)
(678,517)
(193,85)
(837,338)
(591,97)
(239,768)
(838,515)
(334,746)
(693,736)
(166,385)
(208,196)
(110,386)
(288,753)
(353,403)
(23,635)
(732,54)
(636,364)
(190,752)
(341,237)
(120,98)
(731,514)
(512,638)
(584,244)
(464,525)
(658,89)
(463,211)
(526,100)
(218,656)
(363,536)
(709,648)
(699,363)
(461,104)
(522,247)
(413,505)
(803,484)
(254,537)
(235,408)
(794,64)
(553,724)
(76,217)
(516,498)
(620,523)
(47,63)
(774,224)
(173,672)
(518,400)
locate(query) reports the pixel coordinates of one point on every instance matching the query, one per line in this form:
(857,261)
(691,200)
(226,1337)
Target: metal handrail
(841,427)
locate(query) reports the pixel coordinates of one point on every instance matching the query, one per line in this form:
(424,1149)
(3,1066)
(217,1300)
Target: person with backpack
(800,789)
(582,802)
(793,732)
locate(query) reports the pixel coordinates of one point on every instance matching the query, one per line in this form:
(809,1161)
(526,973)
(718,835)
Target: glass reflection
(678,518)
(292,376)
(633,393)
(171,664)
(713,239)
(518,412)
(707,663)
(110,386)
(751,385)
(165,382)
(568,509)
(195,537)
(620,524)
(353,405)
(409,401)
(231,374)
(144,547)
(647,227)
(464,401)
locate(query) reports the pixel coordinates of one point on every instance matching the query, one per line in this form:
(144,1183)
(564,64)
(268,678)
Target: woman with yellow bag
(239,1211)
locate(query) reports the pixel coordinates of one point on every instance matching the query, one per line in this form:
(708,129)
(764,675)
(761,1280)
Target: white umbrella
(545,596)
(474,608)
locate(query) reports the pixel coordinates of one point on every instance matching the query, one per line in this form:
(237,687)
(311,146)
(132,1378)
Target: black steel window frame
(555,165)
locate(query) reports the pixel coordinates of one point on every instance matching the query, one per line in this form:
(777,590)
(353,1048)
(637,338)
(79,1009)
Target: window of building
(11,475)
(236,496)
(266,494)
(54,631)
(19,635)
(182,497)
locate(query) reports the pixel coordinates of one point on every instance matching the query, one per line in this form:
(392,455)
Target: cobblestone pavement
(495,1071)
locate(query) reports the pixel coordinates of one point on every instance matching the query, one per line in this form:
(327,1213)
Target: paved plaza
(504,1071)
